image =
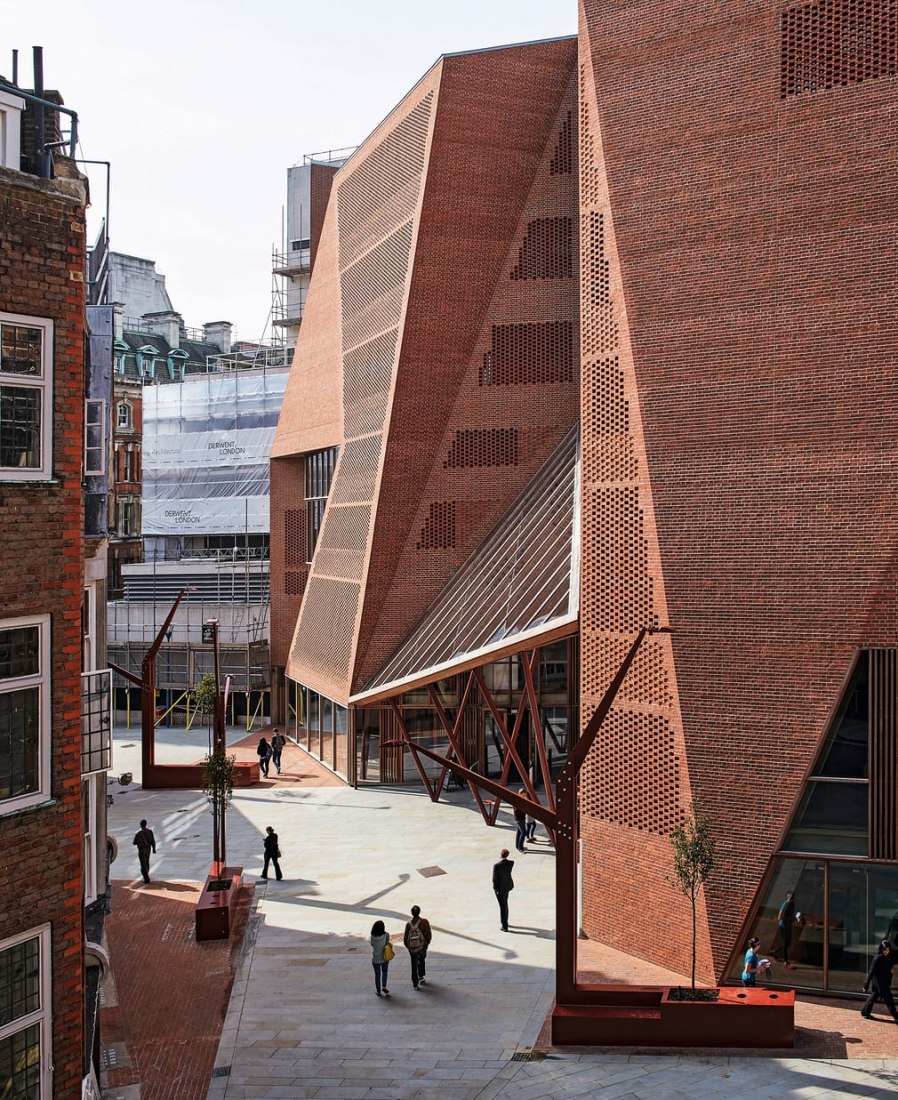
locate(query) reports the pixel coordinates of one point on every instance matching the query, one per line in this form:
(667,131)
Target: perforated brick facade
(739,292)
(457,314)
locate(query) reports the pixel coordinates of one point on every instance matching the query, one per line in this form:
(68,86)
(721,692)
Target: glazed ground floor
(514,720)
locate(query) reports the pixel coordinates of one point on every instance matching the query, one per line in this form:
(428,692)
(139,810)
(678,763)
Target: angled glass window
(845,753)
(831,820)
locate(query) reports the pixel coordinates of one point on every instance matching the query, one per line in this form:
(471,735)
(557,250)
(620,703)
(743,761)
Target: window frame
(126,422)
(41,1016)
(44,386)
(42,681)
(97,404)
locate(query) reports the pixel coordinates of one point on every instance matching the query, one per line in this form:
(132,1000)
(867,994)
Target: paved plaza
(303,1019)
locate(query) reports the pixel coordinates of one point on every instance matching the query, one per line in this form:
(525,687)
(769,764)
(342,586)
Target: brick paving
(163,1015)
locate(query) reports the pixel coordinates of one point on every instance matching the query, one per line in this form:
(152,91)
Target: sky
(201,106)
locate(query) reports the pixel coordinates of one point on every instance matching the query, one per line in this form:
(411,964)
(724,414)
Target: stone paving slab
(303,1021)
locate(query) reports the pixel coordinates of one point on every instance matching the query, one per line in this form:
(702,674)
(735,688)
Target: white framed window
(26,388)
(95,436)
(123,414)
(24,712)
(25,1034)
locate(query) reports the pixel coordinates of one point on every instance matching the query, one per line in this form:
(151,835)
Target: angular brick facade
(684,240)
(752,275)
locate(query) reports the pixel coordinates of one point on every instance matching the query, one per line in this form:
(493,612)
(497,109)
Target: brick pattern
(757,347)
(525,328)
(835,43)
(42,275)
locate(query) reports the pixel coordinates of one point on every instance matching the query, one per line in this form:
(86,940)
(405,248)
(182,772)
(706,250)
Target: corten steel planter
(627,1015)
(216,909)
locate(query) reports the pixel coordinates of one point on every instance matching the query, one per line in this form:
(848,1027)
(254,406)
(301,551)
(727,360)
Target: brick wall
(41,274)
(753,272)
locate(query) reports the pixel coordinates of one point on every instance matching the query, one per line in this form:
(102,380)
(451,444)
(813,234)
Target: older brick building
(603,336)
(42,446)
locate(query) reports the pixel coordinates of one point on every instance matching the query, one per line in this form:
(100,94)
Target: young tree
(693,847)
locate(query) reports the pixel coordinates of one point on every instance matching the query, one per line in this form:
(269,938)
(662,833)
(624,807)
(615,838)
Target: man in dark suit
(503,884)
(146,843)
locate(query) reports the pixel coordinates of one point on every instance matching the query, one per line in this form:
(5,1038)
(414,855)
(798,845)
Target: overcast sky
(202,105)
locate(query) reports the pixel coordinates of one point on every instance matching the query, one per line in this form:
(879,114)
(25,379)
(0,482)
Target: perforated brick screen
(833,43)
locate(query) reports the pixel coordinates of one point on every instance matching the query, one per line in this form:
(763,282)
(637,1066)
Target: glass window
(24,1016)
(319,475)
(805,880)
(94,437)
(845,752)
(123,414)
(863,902)
(24,722)
(25,396)
(553,665)
(832,820)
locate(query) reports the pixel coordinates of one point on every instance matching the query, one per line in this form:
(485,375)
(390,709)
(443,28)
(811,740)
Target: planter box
(246,773)
(216,909)
(640,1016)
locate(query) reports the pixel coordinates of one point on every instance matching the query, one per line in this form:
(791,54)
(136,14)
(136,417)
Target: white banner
(236,448)
(218,516)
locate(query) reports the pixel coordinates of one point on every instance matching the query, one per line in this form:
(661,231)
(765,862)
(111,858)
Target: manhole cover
(430,872)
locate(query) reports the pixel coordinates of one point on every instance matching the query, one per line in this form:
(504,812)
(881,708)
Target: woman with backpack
(416,938)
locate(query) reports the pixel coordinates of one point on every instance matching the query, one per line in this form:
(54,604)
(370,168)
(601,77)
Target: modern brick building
(603,336)
(54,691)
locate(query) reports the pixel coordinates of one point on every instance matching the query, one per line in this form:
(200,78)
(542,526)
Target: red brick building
(42,446)
(602,335)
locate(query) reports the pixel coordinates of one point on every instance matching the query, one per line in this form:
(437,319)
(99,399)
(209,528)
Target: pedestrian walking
(263,751)
(520,822)
(503,884)
(752,963)
(272,853)
(278,740)
(381,956)
(417,937)
(531,829)
(146,843)
(879,982)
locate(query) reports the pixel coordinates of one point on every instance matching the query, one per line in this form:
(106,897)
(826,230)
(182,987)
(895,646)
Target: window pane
(19,742)
(863,909)
(804,878)
(20,350)
(20,426)
(20,1064)
(19,652)
(845,751)
(832,820)
(20,980)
